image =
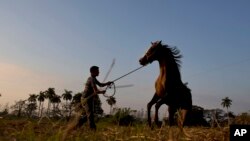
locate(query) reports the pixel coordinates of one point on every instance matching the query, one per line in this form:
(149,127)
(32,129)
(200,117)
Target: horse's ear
(160,41)
(152,43)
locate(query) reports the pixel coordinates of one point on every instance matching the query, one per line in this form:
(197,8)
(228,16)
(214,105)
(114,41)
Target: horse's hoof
(159,124)
(152,127)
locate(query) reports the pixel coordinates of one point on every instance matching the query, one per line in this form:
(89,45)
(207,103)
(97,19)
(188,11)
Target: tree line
(62,106)
(58,106)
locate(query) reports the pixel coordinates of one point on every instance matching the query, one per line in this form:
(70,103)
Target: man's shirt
(89,86)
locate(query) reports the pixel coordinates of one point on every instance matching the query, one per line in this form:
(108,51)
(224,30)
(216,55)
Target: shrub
(243,118)
(123,116)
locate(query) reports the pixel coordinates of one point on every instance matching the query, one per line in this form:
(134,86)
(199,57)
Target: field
(48,130)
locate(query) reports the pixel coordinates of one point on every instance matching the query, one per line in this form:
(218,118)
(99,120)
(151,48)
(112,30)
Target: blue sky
(53,43)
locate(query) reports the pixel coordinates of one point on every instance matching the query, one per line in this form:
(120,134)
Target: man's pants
(88,105)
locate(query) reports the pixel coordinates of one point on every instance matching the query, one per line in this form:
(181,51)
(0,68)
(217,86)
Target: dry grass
(47,130)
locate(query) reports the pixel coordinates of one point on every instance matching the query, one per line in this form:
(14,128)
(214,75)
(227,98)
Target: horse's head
(152,54)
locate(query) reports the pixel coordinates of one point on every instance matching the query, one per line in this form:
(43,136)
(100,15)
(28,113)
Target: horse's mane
(174,54)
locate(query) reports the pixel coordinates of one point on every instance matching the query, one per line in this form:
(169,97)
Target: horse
(169,88)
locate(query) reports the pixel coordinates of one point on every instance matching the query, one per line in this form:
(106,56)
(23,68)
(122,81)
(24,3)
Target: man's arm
(102,84)
(94,83)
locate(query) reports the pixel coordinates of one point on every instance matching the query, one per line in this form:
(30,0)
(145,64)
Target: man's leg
(92,121)
(90,114)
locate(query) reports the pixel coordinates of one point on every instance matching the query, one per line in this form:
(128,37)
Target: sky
(53,44)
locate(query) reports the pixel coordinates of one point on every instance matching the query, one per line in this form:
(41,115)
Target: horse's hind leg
(171,113)
(182,118)
(150,104)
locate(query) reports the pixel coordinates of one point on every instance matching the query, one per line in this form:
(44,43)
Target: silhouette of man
(90,91)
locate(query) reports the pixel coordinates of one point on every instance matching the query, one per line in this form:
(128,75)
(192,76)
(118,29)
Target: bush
(4,112)
(243,119)
(123,117)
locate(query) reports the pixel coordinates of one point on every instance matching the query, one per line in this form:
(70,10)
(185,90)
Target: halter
(154,44)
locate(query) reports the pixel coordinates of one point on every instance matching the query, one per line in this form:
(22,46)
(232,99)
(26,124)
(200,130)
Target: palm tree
(76,102)
(49,94)
(41,98)
(226,102)
(55,100)
(32,104)
(32,98)
(111,101)
(67,96)
(76,98)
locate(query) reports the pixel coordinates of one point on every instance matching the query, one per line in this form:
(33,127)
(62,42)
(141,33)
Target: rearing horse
(169,88)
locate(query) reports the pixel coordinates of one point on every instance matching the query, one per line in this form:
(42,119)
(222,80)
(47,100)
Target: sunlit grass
(49,130)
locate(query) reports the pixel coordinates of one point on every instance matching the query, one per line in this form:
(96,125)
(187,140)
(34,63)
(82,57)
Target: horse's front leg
(150,104)
(149,117)
(157,106)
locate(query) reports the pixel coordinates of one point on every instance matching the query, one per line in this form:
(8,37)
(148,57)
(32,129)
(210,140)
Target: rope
(113,84)
(109,87)
(128,73)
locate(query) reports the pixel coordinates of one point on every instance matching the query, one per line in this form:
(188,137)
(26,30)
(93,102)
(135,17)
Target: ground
(49,130)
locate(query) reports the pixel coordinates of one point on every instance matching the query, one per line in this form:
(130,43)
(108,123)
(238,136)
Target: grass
(48,130)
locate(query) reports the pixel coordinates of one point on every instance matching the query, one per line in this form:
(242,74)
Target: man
(90,92)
